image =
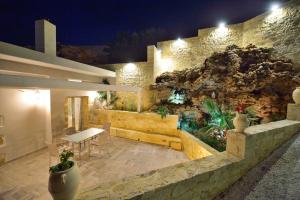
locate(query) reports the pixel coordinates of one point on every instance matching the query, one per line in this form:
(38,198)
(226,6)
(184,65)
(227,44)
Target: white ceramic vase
(240,122)
(63,185)
(296,95)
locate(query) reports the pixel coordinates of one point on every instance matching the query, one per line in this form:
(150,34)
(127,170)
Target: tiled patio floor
(27,177)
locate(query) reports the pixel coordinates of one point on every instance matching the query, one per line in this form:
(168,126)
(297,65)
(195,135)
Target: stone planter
(296,95)
(63,185)
(240,122)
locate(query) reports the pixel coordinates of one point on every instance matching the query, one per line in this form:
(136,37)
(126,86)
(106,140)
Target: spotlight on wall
(222,24)
(130,68)
(274,6)
(179,43)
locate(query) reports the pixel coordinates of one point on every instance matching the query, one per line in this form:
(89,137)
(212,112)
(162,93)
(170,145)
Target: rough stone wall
(193,51)
(279,29)
(134,74)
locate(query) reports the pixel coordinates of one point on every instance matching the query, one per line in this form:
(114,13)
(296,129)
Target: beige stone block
(164,140)
(293,112)
(236,144)
(176,145)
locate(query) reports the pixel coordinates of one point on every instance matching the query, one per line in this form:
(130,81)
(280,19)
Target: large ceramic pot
(63,185)
(240,122)
(296,95)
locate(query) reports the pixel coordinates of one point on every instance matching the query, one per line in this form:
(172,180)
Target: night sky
(95,22)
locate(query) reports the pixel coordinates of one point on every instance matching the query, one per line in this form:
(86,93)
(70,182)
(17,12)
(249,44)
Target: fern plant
(218,119)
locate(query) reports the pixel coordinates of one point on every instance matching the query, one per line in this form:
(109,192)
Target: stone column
(236,144)
(293,112)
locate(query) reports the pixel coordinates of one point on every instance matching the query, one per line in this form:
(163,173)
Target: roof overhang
(23,55)
(47,83)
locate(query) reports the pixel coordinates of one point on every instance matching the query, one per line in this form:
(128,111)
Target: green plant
(217,143)
(65,163)
(102,96)
(188,122)
(131,106)
(218,119)
(252,116)
(105,81)
(163,111)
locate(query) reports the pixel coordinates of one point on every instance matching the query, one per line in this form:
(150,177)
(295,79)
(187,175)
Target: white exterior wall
(27,120)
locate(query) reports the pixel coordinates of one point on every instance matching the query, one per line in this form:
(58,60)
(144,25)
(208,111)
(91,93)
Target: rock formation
(253,76)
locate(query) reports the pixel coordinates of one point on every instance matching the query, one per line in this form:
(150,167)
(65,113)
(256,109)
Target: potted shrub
(241,121)
(64,178)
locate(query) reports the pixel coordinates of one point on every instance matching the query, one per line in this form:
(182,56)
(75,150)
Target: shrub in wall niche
(163,111)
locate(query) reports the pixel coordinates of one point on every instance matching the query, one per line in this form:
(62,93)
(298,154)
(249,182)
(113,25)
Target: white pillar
(139,100)
(108,96)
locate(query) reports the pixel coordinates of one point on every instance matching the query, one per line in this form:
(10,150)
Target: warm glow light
(130,68)
(75,80)
(35,97)
(165,65)
(276,13)
(92,95)
(274,6)
(222,25)
(222,30)
(178,44)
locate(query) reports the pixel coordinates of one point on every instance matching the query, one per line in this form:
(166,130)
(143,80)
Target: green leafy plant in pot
(64,178)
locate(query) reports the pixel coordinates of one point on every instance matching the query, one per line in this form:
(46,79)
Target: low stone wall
(164,140)
(150,128)
(195,148)
(202,178)
(145,122)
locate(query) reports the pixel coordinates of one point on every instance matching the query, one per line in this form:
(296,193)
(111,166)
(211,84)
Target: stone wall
(189,52)
(195,148)
(145,122)
(202,178)
(278,29)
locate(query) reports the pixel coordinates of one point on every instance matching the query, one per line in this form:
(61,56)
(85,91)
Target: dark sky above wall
(95,22)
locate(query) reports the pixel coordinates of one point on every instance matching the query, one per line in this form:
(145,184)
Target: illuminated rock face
(251,75)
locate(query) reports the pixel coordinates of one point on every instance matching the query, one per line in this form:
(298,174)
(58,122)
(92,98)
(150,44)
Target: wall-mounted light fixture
(179,43)
(222,24)
(274,6)
(75,80)
(222,31)
(276,13)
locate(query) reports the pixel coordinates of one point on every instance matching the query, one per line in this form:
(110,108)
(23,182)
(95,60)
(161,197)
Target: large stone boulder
(254,76)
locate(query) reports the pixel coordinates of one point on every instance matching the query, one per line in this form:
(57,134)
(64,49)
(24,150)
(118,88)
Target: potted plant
(64,178)
(241,121)
(296,95)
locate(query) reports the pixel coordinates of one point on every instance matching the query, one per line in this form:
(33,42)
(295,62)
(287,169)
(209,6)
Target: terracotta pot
(63,185)
(296,95)
(241,122)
